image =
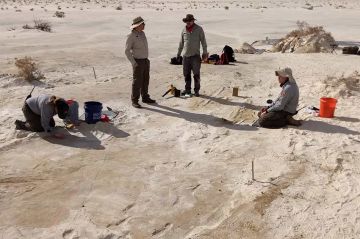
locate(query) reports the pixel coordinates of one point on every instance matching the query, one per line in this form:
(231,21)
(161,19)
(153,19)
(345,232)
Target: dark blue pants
(192,63)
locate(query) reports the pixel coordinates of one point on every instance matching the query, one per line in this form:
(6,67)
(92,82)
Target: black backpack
(229,52)
(214,58)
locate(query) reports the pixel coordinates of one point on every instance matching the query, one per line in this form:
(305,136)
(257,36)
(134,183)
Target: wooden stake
(94,72)
(252,170)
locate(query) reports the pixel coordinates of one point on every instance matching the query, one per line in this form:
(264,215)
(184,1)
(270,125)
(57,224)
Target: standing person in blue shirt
(280,112)
(191,37)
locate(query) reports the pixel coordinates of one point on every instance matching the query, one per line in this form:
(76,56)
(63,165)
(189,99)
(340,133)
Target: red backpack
(223,59)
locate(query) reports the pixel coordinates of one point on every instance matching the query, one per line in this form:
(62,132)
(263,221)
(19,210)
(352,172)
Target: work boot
(148,101)
(21,125)
(136,104)
(292,121)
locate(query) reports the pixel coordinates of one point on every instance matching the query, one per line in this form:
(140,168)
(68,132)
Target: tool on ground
(29,95)
(114,113)
(173,90)
(297,111)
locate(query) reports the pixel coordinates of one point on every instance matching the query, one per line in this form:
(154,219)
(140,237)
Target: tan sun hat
(286,72)
(137,22)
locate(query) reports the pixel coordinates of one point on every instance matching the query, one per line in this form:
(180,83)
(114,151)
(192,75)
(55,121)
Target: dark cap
(188,18)
(62,108)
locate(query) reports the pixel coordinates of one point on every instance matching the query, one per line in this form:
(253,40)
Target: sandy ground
(178,169)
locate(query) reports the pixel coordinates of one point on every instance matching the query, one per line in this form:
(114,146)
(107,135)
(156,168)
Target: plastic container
(92,112)
(327,107)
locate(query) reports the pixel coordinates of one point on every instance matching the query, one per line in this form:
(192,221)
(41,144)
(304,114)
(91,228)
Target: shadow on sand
(198,118)
(88,140)
(227,102)
(319,126)
(347,119)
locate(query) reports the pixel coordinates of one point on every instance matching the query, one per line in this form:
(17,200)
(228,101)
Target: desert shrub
(304,29)
(28,69)
(59,14)
(42,25)
(119,7)
(226,8)
(26,26)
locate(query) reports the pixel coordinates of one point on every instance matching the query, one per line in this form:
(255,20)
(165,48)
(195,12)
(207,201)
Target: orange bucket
(327,107)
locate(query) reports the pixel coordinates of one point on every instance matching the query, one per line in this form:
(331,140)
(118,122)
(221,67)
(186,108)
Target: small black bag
(176,60)
(214,57)
(352,50)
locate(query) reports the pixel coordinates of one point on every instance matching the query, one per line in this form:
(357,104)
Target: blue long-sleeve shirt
(288,99)
(42,106)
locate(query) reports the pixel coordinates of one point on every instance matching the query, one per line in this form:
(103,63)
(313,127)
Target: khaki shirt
(136,46)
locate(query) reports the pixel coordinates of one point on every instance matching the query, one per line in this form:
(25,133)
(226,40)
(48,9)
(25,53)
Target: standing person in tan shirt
(137,52)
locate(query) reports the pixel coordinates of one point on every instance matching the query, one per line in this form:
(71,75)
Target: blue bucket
(92,112)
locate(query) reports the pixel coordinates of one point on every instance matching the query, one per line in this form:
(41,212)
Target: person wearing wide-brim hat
(279,113)
(136,50)
(191,37)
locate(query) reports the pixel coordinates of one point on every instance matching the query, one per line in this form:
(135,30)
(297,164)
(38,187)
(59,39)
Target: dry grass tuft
(304,29)
(26,26)
(42,25)
(59,14)
(28,69)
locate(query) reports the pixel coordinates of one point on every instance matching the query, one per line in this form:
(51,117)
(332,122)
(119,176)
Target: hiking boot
(293,122)
(148,101)
(197,94)
(136,104)
(21,125)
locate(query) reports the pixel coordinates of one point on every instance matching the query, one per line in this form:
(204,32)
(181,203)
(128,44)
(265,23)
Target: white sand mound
(246,48)
(342,87)
(306,39)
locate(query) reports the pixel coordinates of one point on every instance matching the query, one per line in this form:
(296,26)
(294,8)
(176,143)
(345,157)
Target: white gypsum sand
(180,169)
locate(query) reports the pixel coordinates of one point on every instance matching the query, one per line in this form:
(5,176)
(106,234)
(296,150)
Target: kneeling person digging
(280,112)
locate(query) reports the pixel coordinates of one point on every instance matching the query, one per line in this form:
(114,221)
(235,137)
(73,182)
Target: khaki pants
(141,78)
